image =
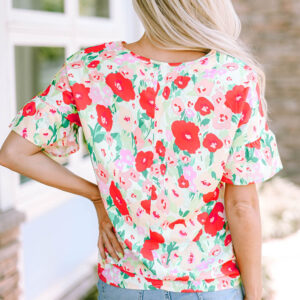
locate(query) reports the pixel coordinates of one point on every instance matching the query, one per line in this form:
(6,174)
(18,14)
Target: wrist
(93,192)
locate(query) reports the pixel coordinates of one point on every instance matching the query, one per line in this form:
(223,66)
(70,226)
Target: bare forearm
(245,227)
(47,171)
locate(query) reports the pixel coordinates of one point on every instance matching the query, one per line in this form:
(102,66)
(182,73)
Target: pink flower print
(124,181)
(63,84)
(204,87)
(227,142)
(189,173)
(162,203)
(128,220)
(177,106)
(215,251)
(133,174)
(127,157)
(102,173)
(77,64)
(147,187)
(210,73)
(231,66)
(108,93)
(190,112)
(96,76)
(251,76)
(169,135)
(191,257)
(109,139)
(224,282)
(222,118)
(171,76)
(164,259)
(170,157)
(227,174)
(126,72)
(165,224)
(95,95)
(204,275)
(218,98)
(140,70)
(155,169)
(257,171)
(268,155)
(184,158)
(24,133)
(103,187)
(141,230)
(107,54)
(126,119)
(239,156)
(138,135)
(221,71)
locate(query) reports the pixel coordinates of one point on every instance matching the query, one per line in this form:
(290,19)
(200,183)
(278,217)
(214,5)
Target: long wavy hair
(198,25)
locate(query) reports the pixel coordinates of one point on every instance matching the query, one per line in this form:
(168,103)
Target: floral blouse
(163,139)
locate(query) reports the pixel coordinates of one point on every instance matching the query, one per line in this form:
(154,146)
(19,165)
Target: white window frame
(22,27)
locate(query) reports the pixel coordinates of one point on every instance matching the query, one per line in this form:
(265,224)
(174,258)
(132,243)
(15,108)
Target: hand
(107,238)
(252,298)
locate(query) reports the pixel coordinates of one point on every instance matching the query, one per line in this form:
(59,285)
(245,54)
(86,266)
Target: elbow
(245,208)
(6,157)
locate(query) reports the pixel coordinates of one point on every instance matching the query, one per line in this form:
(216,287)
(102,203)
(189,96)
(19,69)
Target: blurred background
(48,238)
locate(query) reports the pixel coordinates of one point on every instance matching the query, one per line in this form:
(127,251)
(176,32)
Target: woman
(176,126)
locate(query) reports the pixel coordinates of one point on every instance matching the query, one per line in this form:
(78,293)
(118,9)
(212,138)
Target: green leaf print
(171,247)
(99,137)
(205,122)
(175,148)
(213,175)
(199,244)
(65,122)
(211,158)
(235,119)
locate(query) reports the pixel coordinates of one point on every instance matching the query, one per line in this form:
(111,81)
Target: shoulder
(98,52)
(235,71)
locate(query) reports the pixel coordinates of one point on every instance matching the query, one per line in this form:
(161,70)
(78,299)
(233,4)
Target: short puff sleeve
(253,155)
(50,119)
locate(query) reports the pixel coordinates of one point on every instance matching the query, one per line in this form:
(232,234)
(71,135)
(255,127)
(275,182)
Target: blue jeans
(109,292)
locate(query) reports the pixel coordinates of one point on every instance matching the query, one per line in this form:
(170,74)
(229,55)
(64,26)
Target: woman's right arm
(243,215)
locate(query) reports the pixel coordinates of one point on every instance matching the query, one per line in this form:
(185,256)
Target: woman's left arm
(22,156)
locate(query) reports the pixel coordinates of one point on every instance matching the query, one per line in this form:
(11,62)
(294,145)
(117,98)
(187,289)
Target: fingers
(101,246)
(109,246)
(107,239)
(114,241)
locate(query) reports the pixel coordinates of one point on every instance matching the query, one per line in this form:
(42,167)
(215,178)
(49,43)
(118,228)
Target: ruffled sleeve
(50,120)
(254,154)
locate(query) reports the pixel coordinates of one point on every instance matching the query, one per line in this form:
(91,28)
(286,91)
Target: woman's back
(164,138)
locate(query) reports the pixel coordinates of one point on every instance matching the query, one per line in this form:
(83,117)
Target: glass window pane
(34,69)
(94,8)
(46,5)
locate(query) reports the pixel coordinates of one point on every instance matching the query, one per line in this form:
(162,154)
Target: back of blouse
(163,139)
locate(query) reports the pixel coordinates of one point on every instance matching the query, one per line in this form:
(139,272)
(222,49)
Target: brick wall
(272,28)
(10,221)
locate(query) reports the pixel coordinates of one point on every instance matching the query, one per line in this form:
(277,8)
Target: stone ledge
(10,219)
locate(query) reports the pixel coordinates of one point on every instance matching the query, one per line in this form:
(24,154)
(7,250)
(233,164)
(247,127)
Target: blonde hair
(198,25)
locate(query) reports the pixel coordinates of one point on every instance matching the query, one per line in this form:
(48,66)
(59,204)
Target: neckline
(158,62)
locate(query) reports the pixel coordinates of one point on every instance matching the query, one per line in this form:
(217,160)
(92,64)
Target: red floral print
(186,135)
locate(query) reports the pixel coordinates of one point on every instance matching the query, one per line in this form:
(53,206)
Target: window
(34,69)
(46,5)
(94,8)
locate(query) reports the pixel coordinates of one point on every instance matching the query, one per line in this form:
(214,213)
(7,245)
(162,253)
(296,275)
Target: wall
(272,27)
